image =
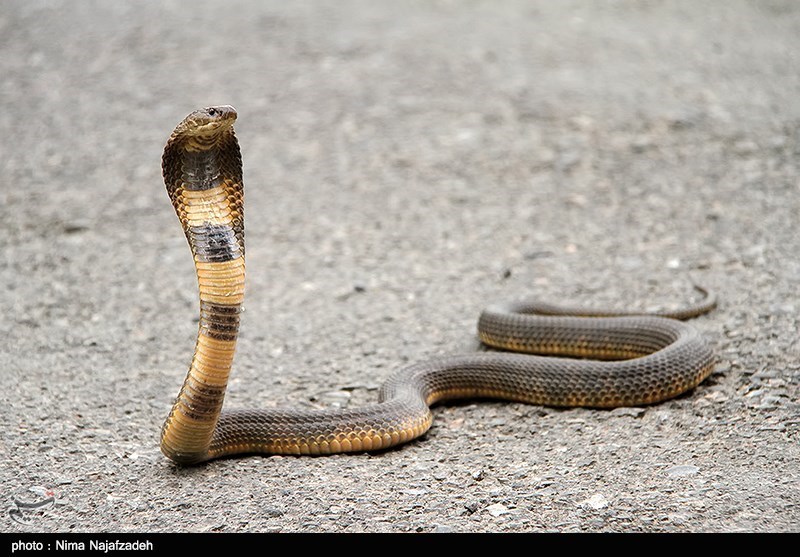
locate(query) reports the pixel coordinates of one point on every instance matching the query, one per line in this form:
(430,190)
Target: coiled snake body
(649,358)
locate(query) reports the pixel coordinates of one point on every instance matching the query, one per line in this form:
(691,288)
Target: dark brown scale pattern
(636,359)
(214,242)
(218,321)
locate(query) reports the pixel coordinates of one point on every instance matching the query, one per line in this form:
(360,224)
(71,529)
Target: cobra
(599,359)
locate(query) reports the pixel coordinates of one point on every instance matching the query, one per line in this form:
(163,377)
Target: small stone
(596,501)
(642,143)
(681,120)
(273,530)
(766,374)
(582,122)
(547,491)
(442,529)
(783,309)
(136,504)
(75,226)
(715,396)
(537,254)
(272,512)
(41,491)
(722,367)
(357,288)
(335,399)
(577,200)
(756,393)
(683,470)
(478,476)
(498,509)
(414,491)
(676,518)
(769,402)
(472,507)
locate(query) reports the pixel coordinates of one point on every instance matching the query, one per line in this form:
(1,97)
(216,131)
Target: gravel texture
(405,164)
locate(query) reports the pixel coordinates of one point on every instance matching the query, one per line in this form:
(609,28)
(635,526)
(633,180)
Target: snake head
(205,125)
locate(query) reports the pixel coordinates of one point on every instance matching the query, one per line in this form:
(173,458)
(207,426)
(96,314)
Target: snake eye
(212,111)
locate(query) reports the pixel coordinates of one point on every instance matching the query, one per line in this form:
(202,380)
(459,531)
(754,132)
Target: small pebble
(336,399)
(683,470)
(272,512)
(273,530)
(414,491)
(75,226)
(596,501)
(633,412)
(497,509)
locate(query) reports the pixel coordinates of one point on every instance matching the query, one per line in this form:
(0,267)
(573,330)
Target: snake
(537,353)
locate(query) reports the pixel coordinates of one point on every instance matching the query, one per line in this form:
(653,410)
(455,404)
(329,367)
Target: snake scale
(599,359)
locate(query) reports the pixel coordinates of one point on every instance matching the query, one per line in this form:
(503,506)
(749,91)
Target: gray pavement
(405,164)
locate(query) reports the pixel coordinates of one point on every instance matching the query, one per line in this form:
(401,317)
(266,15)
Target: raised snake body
(650,358)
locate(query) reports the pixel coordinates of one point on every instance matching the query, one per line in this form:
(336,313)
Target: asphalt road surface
(405,164)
